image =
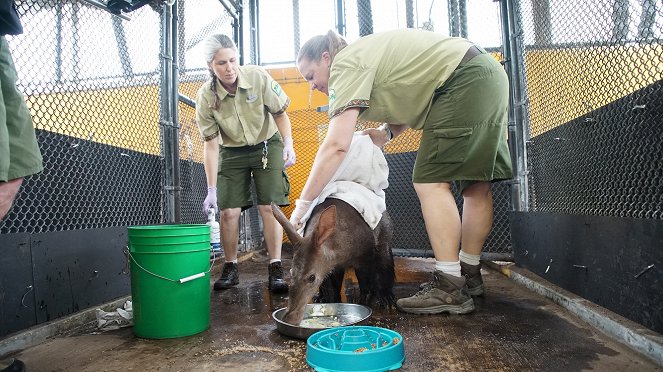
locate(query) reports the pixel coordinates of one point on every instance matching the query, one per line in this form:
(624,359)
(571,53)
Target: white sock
(233,261)
(470,259)
(274,260)
(448,267)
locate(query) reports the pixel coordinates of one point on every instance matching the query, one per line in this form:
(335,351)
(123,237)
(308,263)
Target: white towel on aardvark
(359,181)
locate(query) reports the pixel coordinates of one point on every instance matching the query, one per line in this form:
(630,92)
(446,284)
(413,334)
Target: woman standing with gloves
(241,115)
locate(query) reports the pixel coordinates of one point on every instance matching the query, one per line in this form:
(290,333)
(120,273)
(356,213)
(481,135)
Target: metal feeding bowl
(356,348)
(318,317)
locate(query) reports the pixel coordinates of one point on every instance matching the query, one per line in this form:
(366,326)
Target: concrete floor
(512,329)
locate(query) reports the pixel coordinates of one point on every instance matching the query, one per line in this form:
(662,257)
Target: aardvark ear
(326,226)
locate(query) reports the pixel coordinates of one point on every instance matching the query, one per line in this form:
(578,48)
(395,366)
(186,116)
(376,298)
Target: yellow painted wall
(298,89)
(122,117)
(565,84)
(562,85)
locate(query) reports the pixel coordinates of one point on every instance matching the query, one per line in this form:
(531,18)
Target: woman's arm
(328,159)
(211,163)
(397,129)
(385,133)
(211,160)
(331,153)
(283,124)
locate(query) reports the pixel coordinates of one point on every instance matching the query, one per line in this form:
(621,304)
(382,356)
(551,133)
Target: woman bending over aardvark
(457,95)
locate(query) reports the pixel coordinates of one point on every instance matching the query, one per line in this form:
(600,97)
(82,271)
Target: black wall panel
(608,162)
(87,185)
(614,262)
(75,270)
(410,236)
(17,304)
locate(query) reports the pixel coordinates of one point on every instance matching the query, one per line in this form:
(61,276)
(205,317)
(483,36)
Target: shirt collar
(242,79)
(242,83)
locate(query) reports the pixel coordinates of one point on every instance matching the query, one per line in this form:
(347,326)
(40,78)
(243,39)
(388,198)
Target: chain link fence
(591,78)
(593,103)
(92,83)
(93,88)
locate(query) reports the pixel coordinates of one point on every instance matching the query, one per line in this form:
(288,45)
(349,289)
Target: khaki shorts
(19,152)
(464,137)
(238,165)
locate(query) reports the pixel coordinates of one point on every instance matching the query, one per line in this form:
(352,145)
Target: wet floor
(512,329)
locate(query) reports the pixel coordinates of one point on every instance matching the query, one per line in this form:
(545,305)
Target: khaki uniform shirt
(243,119)
(392,75)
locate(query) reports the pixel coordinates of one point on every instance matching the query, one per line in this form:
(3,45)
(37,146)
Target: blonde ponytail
(331,42)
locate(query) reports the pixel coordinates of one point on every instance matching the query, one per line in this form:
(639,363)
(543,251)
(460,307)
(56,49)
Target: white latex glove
(301,207)
(288,152)
(210,201)
(380,136)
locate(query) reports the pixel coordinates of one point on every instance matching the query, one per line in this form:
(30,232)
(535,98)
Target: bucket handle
(127,253)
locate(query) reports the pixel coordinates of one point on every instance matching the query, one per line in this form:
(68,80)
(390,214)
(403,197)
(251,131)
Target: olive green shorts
(464,137)
(238,165)
(19,152)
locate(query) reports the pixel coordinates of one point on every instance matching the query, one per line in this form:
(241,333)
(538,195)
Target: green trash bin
(170,280)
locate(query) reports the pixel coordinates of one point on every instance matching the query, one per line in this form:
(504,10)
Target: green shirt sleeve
(204,117)
(275,99)
(392,76)
(352,90)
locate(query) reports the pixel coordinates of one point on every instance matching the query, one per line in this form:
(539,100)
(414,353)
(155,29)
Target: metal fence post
(175,128)
(169,128)
(366,21)
(340,17)
(518,127)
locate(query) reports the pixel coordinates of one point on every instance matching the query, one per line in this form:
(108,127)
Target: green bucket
(170,282)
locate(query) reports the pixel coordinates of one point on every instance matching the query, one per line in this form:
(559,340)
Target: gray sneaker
(472,274)
(445,293)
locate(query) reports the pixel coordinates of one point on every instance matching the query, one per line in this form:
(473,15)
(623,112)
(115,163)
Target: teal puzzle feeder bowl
(355,348)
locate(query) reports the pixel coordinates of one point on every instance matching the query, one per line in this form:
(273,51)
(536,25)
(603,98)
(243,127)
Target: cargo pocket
(286,183)
(450,145)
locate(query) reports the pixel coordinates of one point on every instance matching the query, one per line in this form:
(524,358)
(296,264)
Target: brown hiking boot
(445,293)
(472,274)
(229,277)
(276,282)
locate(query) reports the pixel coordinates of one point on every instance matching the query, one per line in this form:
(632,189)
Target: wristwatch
(385,127)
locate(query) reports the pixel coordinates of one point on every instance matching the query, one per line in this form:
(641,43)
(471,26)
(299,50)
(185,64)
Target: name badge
(251,98)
